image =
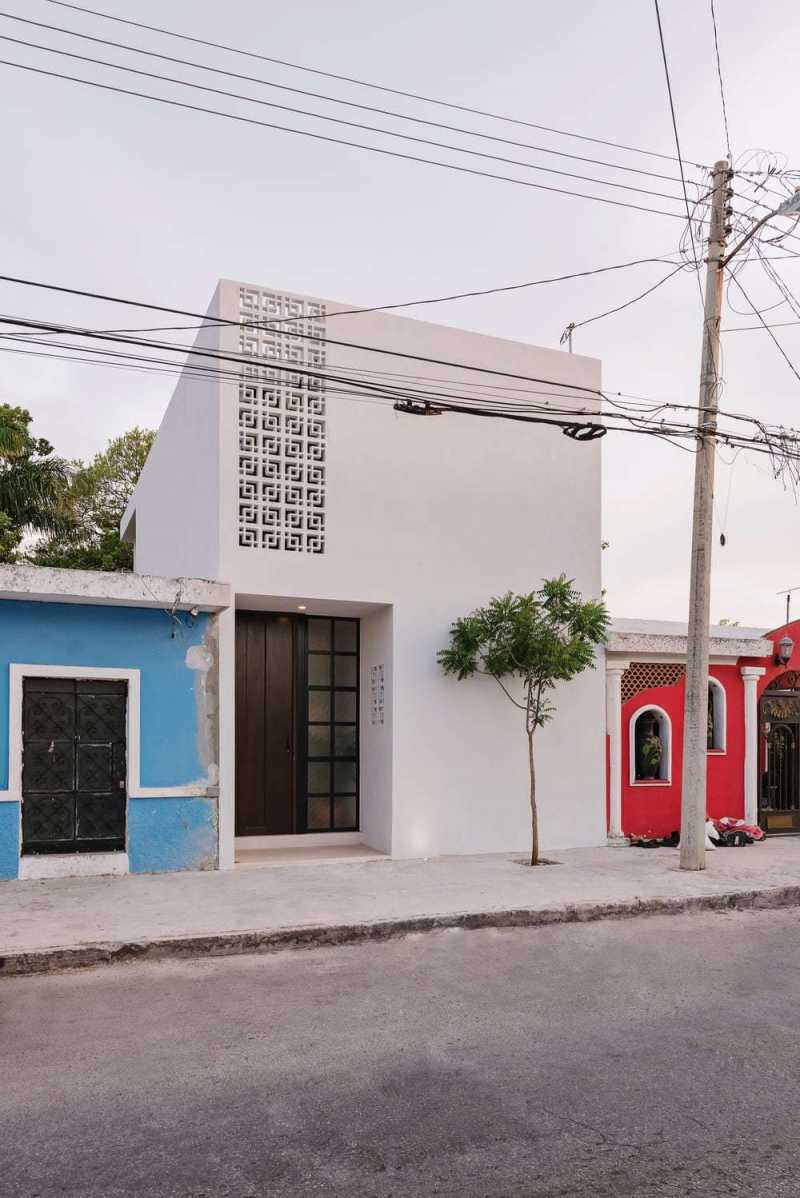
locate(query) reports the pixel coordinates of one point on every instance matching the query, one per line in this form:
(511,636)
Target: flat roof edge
(47,584)
(655,644)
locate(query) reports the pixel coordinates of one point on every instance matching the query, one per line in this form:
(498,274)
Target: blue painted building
(109,728)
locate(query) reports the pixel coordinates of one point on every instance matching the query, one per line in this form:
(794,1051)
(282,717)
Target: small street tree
(528,643)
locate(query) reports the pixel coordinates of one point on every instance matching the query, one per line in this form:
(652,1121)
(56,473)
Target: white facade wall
(426,518)
(177,501)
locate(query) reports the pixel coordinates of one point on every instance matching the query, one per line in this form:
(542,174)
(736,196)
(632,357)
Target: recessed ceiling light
(301,607)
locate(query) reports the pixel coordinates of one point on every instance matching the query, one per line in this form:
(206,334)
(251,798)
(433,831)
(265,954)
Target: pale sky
(114,194)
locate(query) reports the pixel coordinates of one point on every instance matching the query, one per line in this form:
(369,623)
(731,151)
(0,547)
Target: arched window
(716,716)
(650,746)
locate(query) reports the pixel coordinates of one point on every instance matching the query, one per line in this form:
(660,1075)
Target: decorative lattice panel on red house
(643,675)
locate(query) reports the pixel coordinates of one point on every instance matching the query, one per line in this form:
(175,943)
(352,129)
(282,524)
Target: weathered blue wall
(73,634)
(169,834)
(162,833)
(9,840)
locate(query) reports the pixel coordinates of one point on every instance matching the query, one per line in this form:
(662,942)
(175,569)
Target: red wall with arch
(654,808)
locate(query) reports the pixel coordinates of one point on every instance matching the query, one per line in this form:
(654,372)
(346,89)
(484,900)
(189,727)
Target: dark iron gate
(780,779)
(73,765)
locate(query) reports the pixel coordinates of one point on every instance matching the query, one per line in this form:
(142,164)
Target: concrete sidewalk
(83,921)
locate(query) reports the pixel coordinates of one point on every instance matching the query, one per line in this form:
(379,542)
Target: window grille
(643,675)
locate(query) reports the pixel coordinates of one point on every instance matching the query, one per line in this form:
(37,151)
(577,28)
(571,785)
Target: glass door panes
(330,802)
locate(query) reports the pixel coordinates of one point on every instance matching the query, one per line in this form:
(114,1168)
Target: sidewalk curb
(51,960)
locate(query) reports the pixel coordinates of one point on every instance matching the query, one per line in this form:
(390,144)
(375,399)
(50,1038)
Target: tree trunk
(534,812)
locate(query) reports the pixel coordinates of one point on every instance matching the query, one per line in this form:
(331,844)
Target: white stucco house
(351,535)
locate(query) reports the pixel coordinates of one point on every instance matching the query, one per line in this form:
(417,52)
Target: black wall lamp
(783,653)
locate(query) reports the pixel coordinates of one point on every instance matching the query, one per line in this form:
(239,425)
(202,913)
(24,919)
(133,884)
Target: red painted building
(753,726)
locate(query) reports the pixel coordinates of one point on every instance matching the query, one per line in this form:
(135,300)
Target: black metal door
(73,765)
(782,767)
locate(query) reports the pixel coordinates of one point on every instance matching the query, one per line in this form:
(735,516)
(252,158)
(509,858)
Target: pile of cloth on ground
(720,833)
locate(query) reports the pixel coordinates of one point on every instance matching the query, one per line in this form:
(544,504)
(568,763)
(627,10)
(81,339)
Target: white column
(614,672)
(750,677)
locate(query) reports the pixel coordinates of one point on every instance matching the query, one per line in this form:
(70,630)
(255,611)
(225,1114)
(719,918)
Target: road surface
(642,1058)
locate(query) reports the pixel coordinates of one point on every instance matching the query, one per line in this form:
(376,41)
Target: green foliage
(528,644)
(33,483)
(651,751)
(98,495)
(539,639)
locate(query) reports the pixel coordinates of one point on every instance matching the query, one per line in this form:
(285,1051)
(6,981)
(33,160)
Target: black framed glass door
(328,793)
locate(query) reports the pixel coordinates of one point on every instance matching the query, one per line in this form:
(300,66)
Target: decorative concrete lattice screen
(642,675)
(282,424)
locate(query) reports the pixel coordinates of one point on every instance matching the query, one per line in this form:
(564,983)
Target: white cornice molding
(657,646)
(45,585)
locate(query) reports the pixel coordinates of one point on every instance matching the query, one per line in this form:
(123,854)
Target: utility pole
(695,725)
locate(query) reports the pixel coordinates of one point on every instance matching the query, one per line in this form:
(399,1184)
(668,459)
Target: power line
(126,302)
(333,140)
(777,343)
(513,411)
(721,85)
(784,442)
(677,142)
(439,299)
(48,326)
(267,363)
(781,445)
(641,407)
(628,303)
(470,406)
(407,386)
(758,328)
(315,95)
(264,363)
(363,83)
(423,141)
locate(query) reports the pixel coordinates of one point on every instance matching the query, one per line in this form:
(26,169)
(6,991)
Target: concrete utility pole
(695,726)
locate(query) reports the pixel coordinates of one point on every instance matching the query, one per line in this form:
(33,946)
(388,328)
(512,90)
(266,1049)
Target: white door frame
(17,672)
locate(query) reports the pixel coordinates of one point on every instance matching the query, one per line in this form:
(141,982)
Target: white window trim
(17,672)
(720,715)
(667,766)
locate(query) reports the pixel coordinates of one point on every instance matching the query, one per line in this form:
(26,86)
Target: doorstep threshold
(73,865)
(260,858)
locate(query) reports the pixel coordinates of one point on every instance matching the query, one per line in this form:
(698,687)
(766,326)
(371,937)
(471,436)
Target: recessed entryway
(297,724)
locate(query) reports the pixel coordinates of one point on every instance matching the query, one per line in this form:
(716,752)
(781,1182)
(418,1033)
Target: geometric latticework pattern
(642,675)
(282,434)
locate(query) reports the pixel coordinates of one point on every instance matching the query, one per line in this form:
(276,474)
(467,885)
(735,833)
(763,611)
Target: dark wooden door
(73,765)
(265,724)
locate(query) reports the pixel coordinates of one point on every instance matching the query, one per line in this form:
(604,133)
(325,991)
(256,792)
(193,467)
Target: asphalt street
(646,1057)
